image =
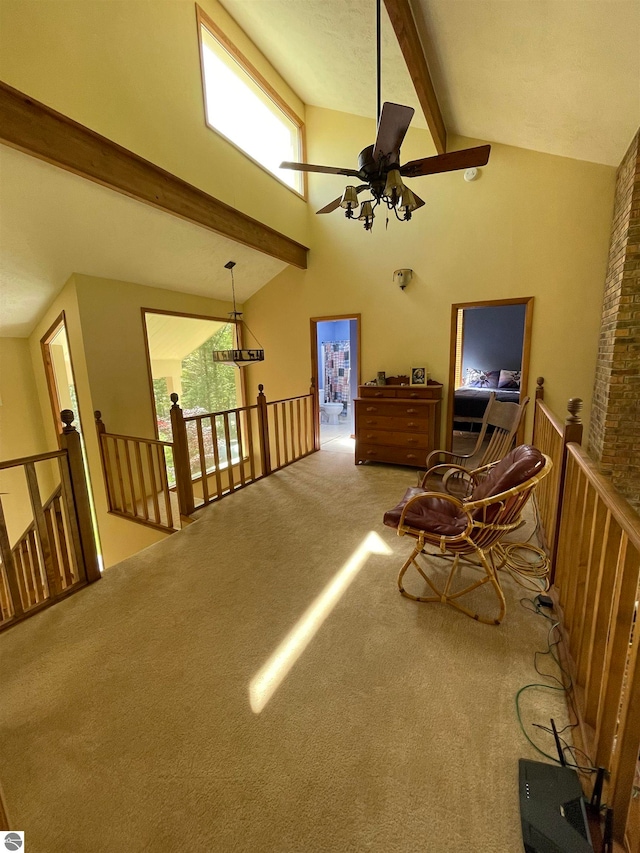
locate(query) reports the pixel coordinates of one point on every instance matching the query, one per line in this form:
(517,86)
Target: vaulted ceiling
(558,76)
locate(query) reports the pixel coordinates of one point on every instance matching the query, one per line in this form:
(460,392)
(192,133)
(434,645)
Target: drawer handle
(372,452)
(370,422)
(372,408)
(370,435)
(378,394)
(411,456)
(412,411)
(411,424)
(412,441)
(414,395)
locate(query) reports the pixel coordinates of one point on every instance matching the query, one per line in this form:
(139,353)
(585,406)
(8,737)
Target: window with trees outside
(242,106)
(179,350)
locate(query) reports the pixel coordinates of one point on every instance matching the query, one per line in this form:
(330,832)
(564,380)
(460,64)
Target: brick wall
(614,435)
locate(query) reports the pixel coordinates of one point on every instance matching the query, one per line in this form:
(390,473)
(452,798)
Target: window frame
(167,312)
(203,20)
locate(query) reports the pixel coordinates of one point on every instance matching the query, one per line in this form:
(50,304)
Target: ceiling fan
(379,167)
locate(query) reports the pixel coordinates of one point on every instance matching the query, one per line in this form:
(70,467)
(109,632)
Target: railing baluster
(240,450)
(164,483)
(154,485)
(9,566)
(123,500)
(299,427)
(277,433)
(132,486)
(141,481)
(250,446)
(203,461)
(227,441)
(216,455)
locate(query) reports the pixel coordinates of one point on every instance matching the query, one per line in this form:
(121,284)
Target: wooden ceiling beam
(404,25)
(38,130)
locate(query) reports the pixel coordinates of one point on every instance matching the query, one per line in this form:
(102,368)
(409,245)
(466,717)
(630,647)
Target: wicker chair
(452,469)
(468,529)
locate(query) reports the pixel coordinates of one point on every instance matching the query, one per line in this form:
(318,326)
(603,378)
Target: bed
(470,399)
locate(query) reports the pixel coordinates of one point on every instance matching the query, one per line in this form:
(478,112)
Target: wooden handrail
(38,457)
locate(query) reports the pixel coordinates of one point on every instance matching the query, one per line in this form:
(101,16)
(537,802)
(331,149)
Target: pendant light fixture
(238,355)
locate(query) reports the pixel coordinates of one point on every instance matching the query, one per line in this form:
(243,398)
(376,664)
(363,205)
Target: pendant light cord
(378,73)
(236,313)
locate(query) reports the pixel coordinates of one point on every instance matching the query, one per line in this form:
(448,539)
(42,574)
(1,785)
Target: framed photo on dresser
(418,375)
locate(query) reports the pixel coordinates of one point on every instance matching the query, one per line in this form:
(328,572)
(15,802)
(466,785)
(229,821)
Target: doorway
(335,365)
(61,385)
(490,345)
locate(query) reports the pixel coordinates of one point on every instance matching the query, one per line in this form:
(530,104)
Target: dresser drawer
(379,391)
(408,424)
(393,439)
(395,408)
(397,455)
(432,391)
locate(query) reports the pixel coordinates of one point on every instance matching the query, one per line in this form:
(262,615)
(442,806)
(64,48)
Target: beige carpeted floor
(125,721)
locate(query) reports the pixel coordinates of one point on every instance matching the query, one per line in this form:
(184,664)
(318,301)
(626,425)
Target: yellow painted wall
(21,433)
(106,341)
(532,225)
(130,70)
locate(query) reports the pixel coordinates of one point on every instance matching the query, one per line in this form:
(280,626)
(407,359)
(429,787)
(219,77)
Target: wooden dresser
(397,423)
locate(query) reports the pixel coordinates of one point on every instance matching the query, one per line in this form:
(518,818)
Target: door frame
(314,352)
(527,301)
(52,387)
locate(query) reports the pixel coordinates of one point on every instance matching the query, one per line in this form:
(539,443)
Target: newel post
(573,424)
(70,441)
(315,411)
(263,431)
(181,461)
(538,396)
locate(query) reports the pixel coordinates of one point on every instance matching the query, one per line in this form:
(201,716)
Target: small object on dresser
(382,379)
(418,375)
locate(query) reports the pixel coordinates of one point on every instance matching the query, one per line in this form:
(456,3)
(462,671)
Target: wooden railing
(597,590)
(212,455)
(136,477)
(291,429)
(592,536)
(551,437)
(56,554)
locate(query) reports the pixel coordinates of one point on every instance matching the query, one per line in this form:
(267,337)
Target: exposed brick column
(614,434)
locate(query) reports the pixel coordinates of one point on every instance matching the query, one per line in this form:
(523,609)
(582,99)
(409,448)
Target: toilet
(331,410)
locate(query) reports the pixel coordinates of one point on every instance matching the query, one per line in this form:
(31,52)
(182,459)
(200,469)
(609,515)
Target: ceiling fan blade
(464,159)
(335,204)
(394,123)
(327,170)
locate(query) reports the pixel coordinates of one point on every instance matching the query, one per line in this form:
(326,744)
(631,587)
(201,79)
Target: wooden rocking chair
(468,529)
(453,468)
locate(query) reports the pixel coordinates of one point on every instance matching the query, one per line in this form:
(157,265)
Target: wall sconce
(402,278)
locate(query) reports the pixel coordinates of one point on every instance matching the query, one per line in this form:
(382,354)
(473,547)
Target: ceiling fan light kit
(379,166)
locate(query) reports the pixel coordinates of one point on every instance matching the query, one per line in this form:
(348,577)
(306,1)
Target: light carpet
(126,723)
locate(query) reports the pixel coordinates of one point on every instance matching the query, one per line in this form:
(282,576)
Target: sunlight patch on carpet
(265,683)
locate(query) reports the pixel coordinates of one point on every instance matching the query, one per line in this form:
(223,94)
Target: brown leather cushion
(516,468)
(435,514)
(444,518)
